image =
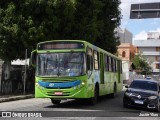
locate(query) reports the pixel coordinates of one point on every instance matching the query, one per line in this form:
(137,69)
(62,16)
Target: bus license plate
(58,93)
(138,101)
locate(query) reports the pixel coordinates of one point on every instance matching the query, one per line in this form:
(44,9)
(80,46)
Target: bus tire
(112,95)
(54,101)
(158,107)
(94,99)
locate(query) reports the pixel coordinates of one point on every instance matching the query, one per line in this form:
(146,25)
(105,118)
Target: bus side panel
(107,79)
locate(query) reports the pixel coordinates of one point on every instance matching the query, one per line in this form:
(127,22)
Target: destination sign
(60,45)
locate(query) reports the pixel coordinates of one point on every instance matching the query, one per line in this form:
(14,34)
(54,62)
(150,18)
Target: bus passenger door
(102,68)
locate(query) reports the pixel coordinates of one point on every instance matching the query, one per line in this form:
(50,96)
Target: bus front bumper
(80,91)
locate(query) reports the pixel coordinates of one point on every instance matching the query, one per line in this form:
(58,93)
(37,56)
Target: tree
(95,22)
(141,64)
(24,23)
(109,19)
(85,20)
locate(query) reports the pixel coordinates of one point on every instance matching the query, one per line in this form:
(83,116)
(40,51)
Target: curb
(13,98)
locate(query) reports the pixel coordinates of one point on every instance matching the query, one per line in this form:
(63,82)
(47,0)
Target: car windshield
(60,64)
(144,85)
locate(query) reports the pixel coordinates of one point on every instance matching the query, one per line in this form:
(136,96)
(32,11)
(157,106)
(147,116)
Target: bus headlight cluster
(37,84)
(79,86)
(75,87)
(83,83)
(40,87)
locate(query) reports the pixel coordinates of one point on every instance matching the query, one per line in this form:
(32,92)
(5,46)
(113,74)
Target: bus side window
(110,64)
(89,59)
(113,66)
(89,62)
(96,60)
(107,63)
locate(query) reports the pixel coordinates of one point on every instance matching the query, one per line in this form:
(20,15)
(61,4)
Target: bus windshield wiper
(57,65)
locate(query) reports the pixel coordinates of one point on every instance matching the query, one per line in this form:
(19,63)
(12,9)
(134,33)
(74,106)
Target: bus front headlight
(83,83)
(37,84)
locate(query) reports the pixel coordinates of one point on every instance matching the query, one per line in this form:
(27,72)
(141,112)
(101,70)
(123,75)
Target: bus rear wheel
(54,101)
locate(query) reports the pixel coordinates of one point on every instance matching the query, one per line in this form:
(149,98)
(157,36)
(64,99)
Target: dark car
(143,93)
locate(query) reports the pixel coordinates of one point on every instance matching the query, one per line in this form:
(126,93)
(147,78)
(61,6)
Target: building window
(158,58)
(157,66)
(123,54)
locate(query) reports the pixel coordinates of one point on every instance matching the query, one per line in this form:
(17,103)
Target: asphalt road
(107,108)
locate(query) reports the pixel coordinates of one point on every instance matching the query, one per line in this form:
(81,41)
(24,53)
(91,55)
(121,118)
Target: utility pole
(25,69)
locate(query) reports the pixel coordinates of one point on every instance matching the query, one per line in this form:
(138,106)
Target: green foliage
(24,23)
(141,64)
(96,20)
(109,19)
(86,22)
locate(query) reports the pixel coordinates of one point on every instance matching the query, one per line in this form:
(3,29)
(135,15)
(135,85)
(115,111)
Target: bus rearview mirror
(33,58)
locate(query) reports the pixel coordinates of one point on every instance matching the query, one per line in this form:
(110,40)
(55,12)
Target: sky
(138,27)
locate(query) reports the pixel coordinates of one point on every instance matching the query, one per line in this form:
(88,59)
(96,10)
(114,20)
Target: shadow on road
(104,103)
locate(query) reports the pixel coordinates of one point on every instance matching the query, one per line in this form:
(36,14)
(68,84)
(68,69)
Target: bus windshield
(60,64)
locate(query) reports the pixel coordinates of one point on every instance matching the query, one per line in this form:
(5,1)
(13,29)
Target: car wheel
(55,101)
(158,109)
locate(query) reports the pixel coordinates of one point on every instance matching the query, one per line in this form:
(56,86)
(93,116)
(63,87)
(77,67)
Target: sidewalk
(7,98)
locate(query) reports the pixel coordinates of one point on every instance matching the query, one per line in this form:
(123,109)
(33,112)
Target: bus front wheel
(54,101)
(94,99)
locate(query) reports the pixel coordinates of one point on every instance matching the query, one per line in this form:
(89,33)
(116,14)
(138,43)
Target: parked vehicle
(143,93)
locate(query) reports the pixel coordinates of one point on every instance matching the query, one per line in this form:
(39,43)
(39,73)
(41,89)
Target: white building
(151,50)
(153,35)
(125,50)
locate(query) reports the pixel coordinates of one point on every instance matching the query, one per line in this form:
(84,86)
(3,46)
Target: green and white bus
(75,69)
